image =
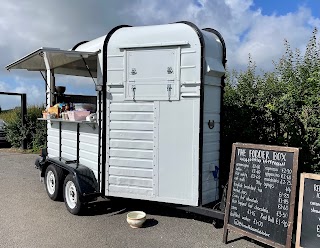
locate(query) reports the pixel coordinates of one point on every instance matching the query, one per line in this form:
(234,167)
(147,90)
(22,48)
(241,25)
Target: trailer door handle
(133,87)
(169,88)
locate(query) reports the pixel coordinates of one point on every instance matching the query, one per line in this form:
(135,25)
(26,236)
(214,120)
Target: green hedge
(34,131)
(281,107)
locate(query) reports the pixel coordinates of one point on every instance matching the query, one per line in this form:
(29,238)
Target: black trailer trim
(60,139)
(78,142)
(78,44)
(199,33)
(99,141)
(208,212)
(104,97)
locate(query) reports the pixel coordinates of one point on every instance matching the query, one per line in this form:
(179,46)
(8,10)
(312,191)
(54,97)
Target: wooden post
(24,117)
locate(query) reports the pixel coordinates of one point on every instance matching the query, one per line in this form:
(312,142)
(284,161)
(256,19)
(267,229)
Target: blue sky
(258,27)
(283,7)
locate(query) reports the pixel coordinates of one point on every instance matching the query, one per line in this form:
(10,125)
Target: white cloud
(35,94)
(244,28)
(3,86)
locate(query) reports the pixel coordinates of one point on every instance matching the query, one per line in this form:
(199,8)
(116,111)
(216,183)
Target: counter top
(62,120)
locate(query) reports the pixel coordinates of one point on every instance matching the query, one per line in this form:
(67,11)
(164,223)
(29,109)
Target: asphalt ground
(28,218)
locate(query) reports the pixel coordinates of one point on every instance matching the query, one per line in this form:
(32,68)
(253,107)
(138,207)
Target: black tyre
(53,181)
(71,195)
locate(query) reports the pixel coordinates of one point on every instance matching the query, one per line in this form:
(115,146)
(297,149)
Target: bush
(34,131)
(281,107)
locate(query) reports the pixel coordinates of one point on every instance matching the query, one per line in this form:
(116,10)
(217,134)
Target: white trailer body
(159,101)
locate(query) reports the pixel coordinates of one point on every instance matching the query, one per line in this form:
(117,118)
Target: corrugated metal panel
(93,156)
(68,155)
(211,146)
(93,165)
(131,116)
(130,172)
(68,143)
(190,64)
(53,139)
(211,143)
(131,135)
(134,144)
(210,137)
(210,184)
(88,147)
(115,69)
(69,140)
(131,153)
(210,166)
(53,146)
(207,176)
(128,125)
(210,195)
(130,181)
(88,143)
(67,135)
(210,156)
(132,190)
(52,152)
(131,162)
(90,139)
(130,147)
(53,131)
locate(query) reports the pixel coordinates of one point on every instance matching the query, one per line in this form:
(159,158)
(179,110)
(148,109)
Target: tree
(281,107)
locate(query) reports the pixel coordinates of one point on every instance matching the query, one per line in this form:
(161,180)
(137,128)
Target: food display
(69,111)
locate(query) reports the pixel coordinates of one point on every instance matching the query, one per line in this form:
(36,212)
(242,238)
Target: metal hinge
(169,88)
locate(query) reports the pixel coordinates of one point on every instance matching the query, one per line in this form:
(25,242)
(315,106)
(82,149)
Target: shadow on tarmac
(115,206)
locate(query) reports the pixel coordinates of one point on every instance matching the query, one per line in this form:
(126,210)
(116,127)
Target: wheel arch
(84,178)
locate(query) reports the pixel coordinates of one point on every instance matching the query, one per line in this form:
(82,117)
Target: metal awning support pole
(50,82)
(24,117)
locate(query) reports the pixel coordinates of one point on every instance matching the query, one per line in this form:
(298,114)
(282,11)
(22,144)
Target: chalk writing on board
(308,233)
(261,190)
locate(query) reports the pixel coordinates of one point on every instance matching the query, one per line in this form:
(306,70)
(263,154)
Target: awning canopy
(61,61)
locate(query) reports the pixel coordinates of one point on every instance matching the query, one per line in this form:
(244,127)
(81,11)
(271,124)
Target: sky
(256,27)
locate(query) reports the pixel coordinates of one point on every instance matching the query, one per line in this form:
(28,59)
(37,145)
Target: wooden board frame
(300,205)
(228,226)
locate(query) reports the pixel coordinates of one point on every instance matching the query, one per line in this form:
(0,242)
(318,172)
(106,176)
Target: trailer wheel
(71,195)
(53,182)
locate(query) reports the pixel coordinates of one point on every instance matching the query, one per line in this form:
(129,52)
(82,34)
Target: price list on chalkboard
(261,192)
(308,228)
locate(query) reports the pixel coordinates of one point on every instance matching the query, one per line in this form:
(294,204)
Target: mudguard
(84,176)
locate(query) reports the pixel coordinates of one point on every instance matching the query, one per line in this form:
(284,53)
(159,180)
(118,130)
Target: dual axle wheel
(57,185)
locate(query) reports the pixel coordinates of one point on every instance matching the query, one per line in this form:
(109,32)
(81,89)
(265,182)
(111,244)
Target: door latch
(133,88)
(169,88)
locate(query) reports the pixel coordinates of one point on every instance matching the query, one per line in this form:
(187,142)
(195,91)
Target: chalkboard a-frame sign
(261,193)
(308,227)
